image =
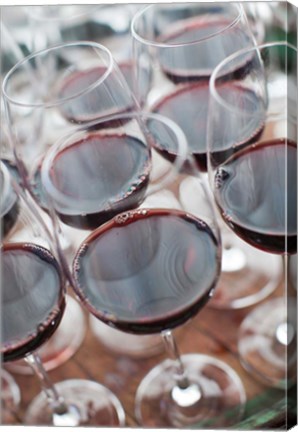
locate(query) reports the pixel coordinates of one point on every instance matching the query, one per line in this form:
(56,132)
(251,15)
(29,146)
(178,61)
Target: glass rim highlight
(158,44)
(216,75)
(25,63)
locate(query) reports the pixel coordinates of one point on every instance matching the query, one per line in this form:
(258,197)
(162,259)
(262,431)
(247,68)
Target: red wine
(110,171)
(147,270)
(188,107)
(105,99)
(32,298)
(193,60)
(256,191)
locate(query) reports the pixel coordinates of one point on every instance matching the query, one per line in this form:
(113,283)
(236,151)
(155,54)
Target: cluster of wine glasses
(148,170)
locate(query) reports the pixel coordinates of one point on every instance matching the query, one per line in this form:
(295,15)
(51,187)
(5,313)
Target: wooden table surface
(212,331)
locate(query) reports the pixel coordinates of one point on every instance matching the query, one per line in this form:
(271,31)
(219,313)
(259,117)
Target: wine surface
(147,270)
(32,298)
(188,107)
(106,98)
(109,171)
(200,45)
(256,191)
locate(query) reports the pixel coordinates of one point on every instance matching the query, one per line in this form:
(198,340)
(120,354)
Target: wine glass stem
(173,351)
(57,402)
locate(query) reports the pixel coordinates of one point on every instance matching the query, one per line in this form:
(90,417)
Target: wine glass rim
(158,44)
(216,72)
(68,139)
(61,101)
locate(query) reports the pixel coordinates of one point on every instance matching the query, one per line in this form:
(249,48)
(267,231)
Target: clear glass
(252,137)
(31,259)
(121,286)
(179,45)
(53,91)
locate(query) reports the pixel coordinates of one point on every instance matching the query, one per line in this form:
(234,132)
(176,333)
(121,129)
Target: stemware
(52,91)
(33,303)
(252,137)
(149,269)
(180,45)
(67,339)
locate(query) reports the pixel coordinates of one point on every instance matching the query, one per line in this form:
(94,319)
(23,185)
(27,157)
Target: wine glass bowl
(94,191)
(53,91)
(153,313)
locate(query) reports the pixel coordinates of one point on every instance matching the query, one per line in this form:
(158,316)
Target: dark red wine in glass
(147,270)
(111,171)
(195,61)
(101,101)
(32,298)
(256,192)
(188,107)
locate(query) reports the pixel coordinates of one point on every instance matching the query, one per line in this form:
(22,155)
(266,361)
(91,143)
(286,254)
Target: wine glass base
(63,344)
(267,342)
(220,403)
(96,405)
(10,397)
(124,343)
(248,276)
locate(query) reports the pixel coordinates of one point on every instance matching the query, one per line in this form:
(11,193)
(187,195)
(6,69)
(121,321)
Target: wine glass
(107,24)
(67,339)
(99,171)
(179,45)
(149,269)
(52,91)
(33,303)
(10,396)
(252,137)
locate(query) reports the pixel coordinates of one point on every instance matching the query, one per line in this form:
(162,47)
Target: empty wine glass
(149,270)
(33,303)
(253,174)
(179,45)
